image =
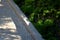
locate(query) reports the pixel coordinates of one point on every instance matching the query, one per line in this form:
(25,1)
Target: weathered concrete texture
(13,23)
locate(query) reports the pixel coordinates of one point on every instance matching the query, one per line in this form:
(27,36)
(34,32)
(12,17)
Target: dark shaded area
(45,15)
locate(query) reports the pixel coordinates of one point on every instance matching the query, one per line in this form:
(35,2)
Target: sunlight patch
(1,5)
(7,24)
(0,0)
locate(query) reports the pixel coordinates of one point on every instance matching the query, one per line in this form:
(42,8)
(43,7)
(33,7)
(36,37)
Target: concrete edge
(30,28)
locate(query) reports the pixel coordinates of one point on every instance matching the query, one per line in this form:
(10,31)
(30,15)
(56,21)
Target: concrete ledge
(28,25)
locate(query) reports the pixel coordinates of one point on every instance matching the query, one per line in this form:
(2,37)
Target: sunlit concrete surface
(8,30)
(7,23)
(12,27)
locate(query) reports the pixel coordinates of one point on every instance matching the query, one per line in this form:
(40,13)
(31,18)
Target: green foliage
(48,22)
(58,12)
(32,17)
(46,11)
(44,14)
(40,22)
